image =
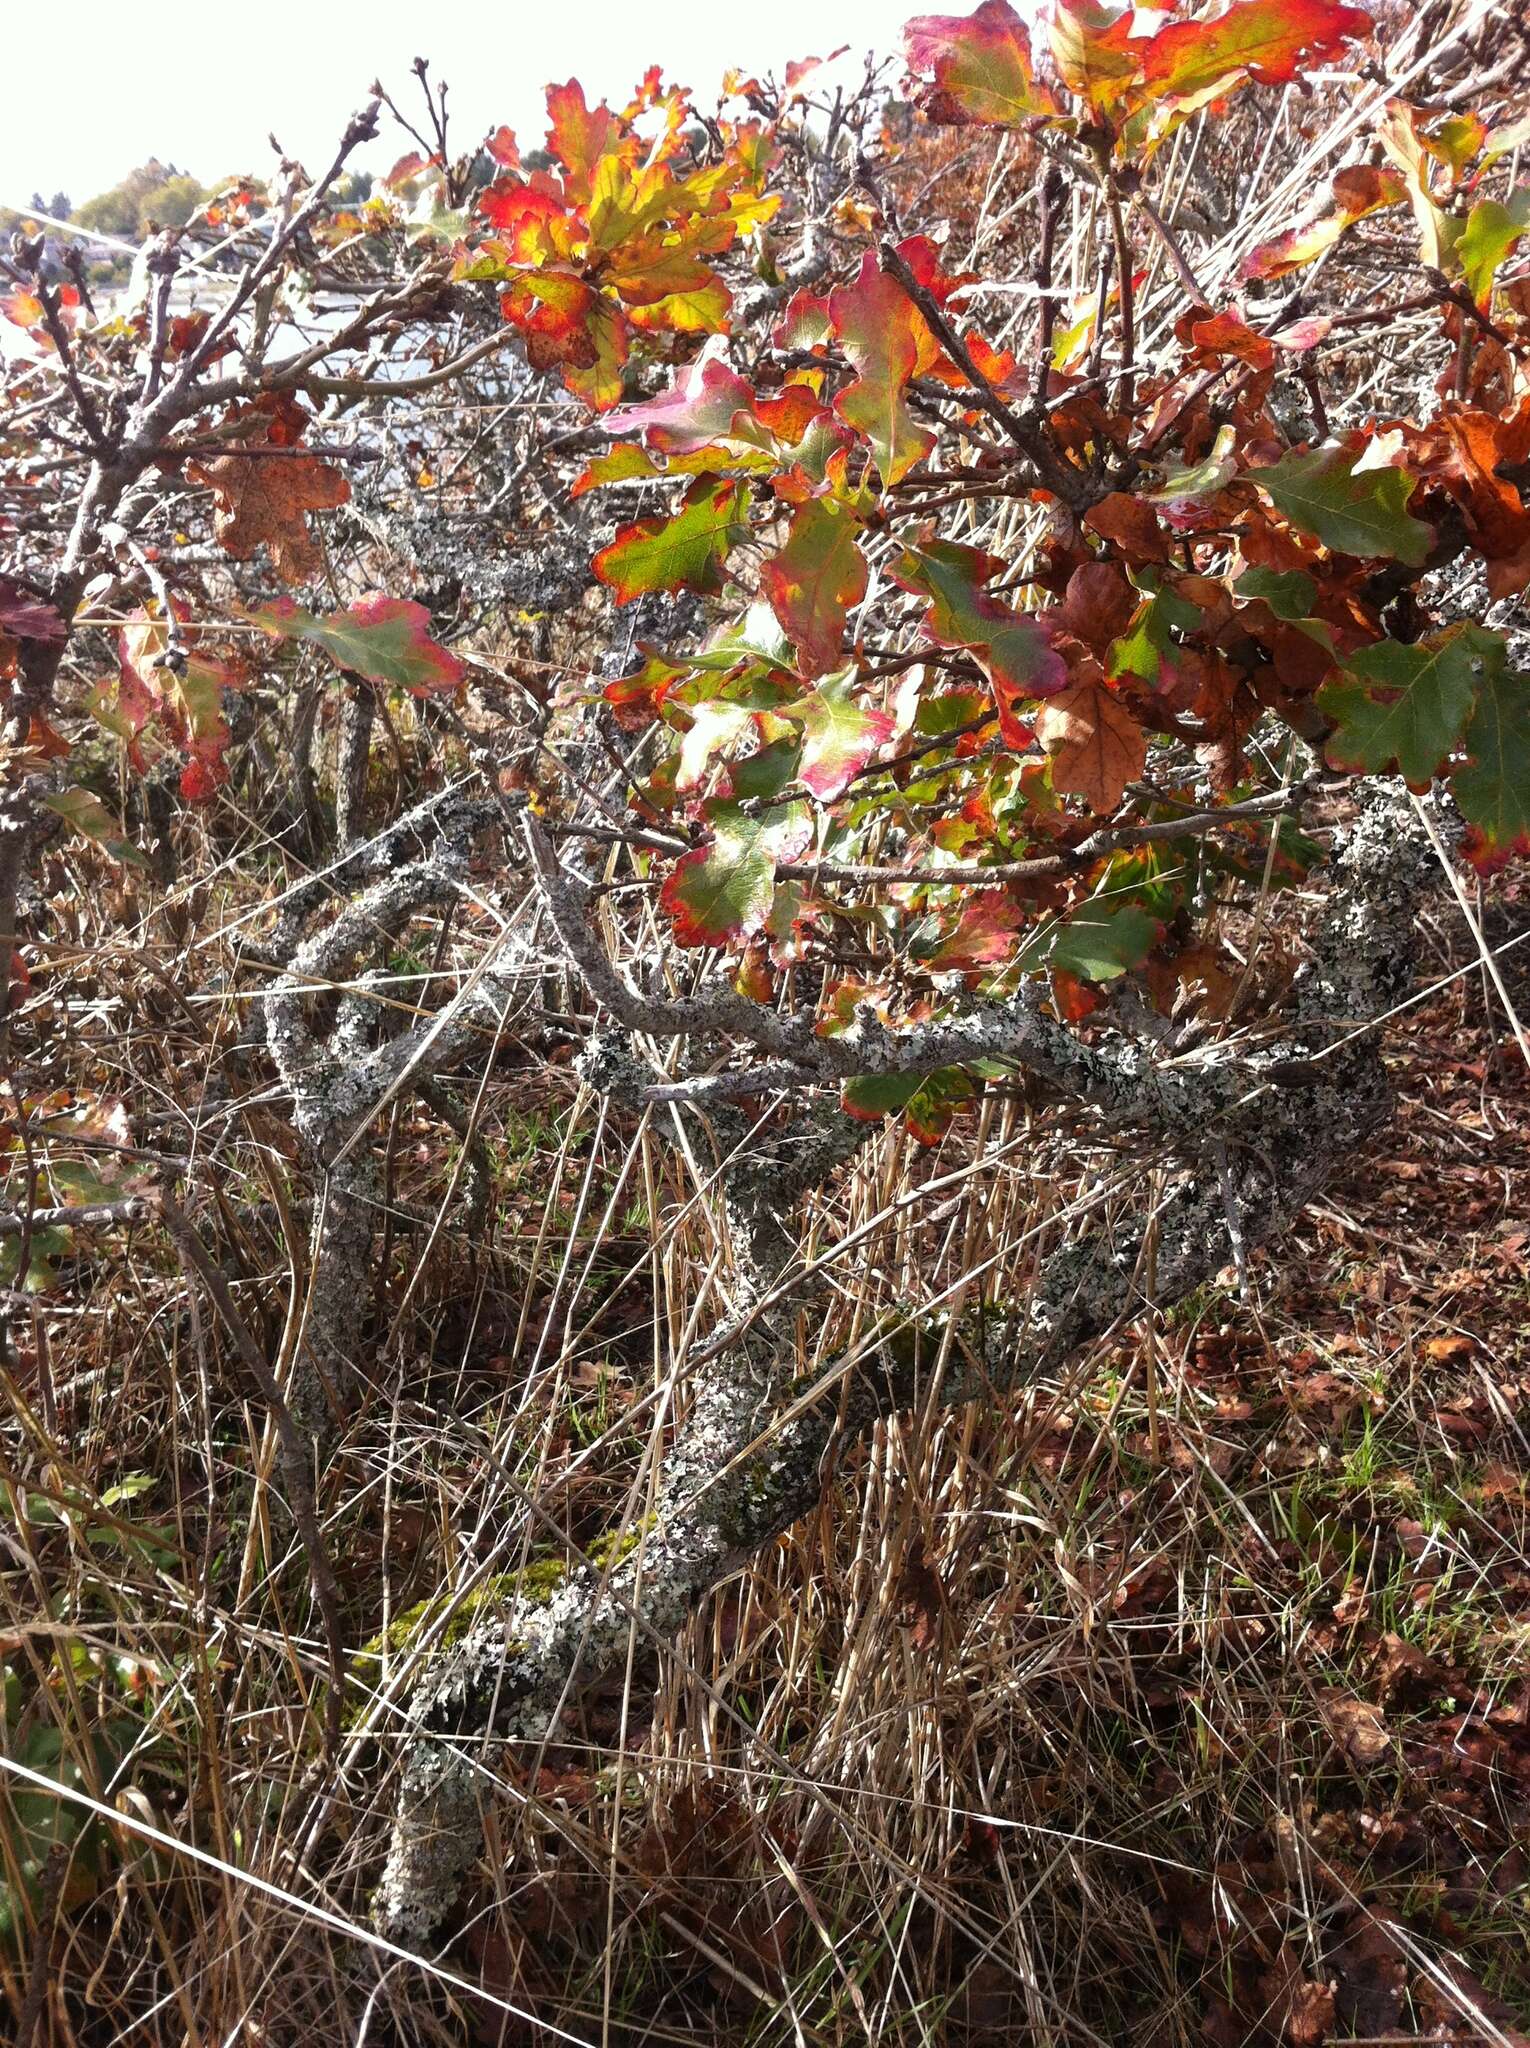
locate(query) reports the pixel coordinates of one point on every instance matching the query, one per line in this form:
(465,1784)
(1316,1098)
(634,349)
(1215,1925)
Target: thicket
(685,817)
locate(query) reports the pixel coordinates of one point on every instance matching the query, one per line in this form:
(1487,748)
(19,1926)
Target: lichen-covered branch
(749,1458)
(1186,1104)
(339,1079)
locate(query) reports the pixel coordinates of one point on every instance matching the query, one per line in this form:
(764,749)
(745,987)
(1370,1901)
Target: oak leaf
(686,551)
(1351,509)
(1096,745)
(1270,41)
(814,580)
(385,639)
(266,498)
(723,891)
(887,341)
(981,65)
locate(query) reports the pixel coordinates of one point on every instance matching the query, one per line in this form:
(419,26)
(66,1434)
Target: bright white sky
(93,87)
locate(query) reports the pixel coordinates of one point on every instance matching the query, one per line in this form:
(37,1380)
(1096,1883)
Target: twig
(1126,379)
(81,1216)
(295,1456)
(1170,244)
(40,1975)
(1054,195)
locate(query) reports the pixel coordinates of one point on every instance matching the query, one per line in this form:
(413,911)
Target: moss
(537,1581)
(608,1551)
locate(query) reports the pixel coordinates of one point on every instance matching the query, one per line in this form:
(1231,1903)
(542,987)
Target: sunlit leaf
(814,580)
(722,892)
(886,339)
(980,65)
(1353,511)
(685,551)
(385,639)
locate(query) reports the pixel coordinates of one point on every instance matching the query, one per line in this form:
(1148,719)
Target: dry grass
(1085,1717)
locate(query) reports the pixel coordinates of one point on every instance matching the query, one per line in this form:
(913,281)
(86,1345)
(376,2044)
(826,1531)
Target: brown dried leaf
(267,498)
(1359,1728)
(1097,747)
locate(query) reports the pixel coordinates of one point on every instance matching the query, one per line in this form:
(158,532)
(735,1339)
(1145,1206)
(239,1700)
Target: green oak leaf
(1493,789)
(1406,706)
(1149,637)
(685,552)
(1290,594)
(1097,943)
(723,891)
(84,812)
(1492,230)
(928,1101)
(1354,512)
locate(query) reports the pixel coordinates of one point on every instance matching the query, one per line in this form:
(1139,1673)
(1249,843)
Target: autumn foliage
(789,578)
(874,693)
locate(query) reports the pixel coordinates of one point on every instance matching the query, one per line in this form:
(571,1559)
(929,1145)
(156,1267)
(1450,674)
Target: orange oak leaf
(1267,40)
(267,497)
(1096,746)
(1357,190)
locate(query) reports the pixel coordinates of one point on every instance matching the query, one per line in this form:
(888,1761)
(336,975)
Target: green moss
(537,1581)
(610,1550)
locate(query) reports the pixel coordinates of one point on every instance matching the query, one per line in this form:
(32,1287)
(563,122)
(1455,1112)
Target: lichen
(535,1583)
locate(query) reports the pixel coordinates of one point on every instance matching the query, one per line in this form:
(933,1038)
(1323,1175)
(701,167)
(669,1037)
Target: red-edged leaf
(1493,789)
(1270,41)
(697,409)
(985,932)
(623,465)
(980,66)
(839,736)
(723,891)
(885,336)
(1405,705)
(385,639)
(1013,650)
(577,135)
(554,312)
(814,580)
(805,323)
(928,1101)
(715,724)
(684,552)
(187,703)
(1356,191)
